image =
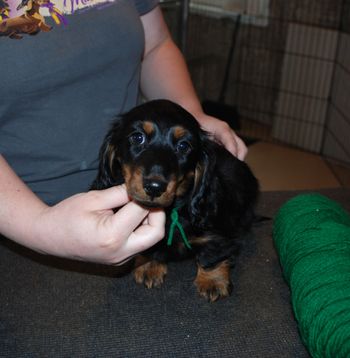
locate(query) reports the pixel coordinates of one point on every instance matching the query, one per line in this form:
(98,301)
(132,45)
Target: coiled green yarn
(312,237)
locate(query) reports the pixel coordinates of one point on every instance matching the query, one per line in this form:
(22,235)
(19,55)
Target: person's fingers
(110,198)
(156,218)
(145,236)
(233,144)
(128,218)
(149,234)
(226,136)
(242,149)
(229,142)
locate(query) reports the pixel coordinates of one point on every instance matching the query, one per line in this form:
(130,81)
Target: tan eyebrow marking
(179,132)
(148,127)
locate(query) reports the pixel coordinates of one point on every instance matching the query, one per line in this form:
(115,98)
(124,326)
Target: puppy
(167,161)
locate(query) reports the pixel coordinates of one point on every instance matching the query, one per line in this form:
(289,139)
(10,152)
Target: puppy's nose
(154,188)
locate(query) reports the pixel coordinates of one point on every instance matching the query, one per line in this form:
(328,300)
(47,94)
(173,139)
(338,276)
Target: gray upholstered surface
(57,308)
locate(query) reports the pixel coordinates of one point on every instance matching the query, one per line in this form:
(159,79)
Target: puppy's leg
(214,283)
(151,273)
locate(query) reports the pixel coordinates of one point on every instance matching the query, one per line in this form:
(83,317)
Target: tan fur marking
(179,132)
(134,184)
(215,283)
(198,174)
(151,274)
(127,174)
(136,181)
(200,240)
(168,196)
(133,180)
(148,127)
(137,191)
(184,184)
(111,156)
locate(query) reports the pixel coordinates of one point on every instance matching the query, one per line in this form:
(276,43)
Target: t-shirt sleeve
(143,7)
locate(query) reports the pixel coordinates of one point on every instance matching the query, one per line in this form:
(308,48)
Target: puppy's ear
(109,167)
(203,203)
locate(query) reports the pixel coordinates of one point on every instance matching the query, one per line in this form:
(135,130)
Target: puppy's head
(158,148)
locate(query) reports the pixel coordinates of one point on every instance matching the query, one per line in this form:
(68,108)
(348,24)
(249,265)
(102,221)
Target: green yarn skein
(312,237)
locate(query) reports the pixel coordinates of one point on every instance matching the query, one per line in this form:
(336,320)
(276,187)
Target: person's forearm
(83,226)
(164,71)
(19,207)
(164,74)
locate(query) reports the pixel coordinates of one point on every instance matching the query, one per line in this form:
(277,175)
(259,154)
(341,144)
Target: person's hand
(224,135)
(84,227)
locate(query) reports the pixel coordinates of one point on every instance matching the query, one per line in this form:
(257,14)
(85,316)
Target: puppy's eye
(137,138)
(183,147)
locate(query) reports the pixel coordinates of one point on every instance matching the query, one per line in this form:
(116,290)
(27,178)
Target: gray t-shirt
(61,88)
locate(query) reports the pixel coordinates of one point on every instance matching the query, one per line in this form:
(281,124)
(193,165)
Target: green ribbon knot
(175,223)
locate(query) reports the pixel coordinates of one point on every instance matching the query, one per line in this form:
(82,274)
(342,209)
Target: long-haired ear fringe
(104,178)
(108,163)
(203,202)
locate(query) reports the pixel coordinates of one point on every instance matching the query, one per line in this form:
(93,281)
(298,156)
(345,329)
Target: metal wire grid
(284,77)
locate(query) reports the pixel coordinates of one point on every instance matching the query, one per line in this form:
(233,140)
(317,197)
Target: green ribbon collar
(176,224)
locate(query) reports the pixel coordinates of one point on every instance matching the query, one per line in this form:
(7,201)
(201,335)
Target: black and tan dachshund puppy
(167,161)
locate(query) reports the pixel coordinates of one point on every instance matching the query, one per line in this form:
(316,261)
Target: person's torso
(61,86)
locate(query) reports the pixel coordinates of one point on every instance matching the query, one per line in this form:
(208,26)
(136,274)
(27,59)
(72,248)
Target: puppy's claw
(214,292)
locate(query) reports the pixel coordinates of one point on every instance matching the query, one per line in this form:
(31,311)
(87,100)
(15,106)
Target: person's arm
(165,75)
(81,227)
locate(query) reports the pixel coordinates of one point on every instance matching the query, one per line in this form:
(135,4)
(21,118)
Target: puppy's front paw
(213,284)
(151,274)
